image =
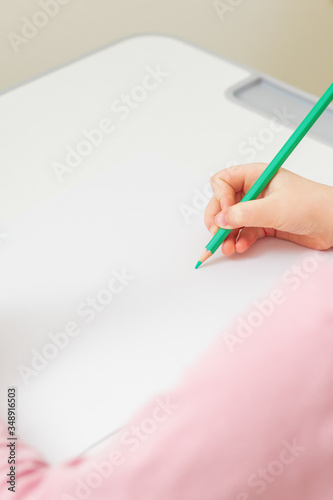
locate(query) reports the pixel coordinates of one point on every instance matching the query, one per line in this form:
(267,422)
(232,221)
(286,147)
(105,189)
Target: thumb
(256,213)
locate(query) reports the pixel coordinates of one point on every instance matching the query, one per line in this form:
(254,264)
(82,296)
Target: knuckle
(213,180)
(228,174)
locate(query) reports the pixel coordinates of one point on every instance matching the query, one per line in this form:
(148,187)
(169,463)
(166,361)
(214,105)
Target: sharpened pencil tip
(206,254)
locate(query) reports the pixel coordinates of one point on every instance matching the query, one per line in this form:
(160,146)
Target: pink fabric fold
(253,418)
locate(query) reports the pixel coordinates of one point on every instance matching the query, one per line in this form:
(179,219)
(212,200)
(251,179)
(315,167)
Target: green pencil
(273,167)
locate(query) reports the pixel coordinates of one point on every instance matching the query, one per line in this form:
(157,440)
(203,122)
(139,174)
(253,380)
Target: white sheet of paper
(126,219)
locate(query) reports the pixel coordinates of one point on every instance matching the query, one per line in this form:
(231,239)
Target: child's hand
(291,207)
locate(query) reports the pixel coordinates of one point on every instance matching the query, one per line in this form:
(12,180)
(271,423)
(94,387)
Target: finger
(212,209)
(238,197)
(257,213)
(247,237)
(229,244)
(238,178)
(223,191)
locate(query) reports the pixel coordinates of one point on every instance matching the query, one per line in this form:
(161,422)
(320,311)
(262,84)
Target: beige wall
(289,39)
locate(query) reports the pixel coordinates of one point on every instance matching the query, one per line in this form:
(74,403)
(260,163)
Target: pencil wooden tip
(206,254)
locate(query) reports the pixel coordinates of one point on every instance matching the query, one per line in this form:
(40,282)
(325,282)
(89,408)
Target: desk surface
(55,199)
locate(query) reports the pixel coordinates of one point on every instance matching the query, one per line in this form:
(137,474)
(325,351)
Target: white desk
(58,250)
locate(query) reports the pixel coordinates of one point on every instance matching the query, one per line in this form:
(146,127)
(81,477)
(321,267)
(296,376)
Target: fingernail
(221,220)
(212,230)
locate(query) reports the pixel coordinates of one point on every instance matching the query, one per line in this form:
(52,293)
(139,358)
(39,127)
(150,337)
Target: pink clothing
(252,419)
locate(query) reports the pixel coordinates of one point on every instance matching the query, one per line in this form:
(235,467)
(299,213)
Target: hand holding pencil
(290,207)
(272,169)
